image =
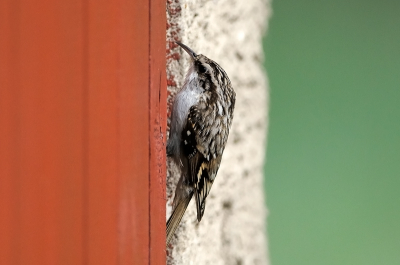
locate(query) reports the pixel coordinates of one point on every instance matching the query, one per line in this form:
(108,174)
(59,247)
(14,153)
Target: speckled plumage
(201,118)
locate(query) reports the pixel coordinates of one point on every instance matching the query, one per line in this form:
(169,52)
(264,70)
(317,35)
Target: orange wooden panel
(82,127)
(41,125)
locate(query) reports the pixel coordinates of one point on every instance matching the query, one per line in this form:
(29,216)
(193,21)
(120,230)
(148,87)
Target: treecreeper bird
(201,117)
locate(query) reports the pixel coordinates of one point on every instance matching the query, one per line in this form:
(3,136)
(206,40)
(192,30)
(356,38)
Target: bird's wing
(199,144)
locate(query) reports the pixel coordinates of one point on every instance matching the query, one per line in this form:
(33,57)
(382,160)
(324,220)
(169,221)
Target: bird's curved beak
(187,49)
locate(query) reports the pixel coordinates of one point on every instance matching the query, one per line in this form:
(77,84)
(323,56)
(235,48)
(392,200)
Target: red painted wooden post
(158,114)
(82,132)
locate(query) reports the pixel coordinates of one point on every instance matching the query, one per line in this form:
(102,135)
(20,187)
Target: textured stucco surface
(232,230)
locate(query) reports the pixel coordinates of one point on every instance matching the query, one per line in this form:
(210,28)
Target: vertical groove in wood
(85,135)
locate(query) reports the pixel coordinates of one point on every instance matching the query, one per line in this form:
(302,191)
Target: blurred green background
(333,155)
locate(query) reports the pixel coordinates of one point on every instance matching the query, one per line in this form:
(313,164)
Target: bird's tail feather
(176,216)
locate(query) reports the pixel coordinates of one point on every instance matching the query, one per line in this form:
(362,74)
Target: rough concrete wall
(230,32)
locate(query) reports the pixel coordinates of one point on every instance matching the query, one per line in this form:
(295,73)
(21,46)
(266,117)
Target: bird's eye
(201,69)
